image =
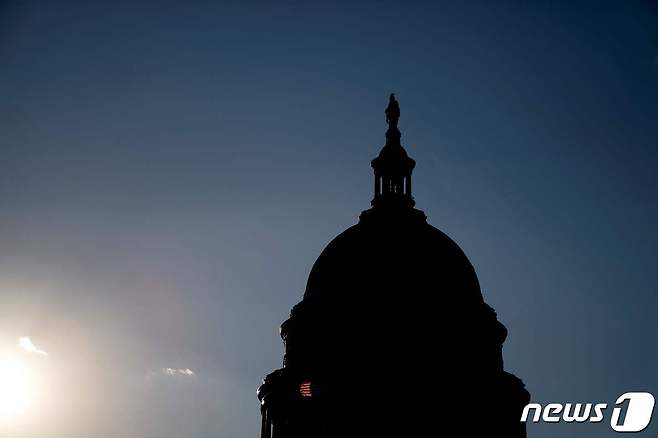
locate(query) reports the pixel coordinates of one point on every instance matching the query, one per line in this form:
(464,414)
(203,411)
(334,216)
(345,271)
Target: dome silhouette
(392,335)
(368,252)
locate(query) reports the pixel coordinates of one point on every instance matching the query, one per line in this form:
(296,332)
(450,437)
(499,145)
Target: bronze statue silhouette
(392,111)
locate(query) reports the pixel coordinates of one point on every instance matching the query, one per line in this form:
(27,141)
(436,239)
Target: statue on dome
(392,112)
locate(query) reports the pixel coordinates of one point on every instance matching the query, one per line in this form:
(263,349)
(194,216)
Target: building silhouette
(393,336)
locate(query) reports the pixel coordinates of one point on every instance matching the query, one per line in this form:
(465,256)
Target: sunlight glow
(16,387)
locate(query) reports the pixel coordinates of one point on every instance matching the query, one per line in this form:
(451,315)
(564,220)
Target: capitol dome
(392,335)
(380,252)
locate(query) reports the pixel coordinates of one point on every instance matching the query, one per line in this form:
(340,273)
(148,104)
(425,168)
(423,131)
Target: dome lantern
(393,166)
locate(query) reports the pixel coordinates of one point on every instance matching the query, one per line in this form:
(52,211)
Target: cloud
(26,344)
(178,372)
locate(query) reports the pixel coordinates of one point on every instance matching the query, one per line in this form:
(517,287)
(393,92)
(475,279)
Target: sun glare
(15,387)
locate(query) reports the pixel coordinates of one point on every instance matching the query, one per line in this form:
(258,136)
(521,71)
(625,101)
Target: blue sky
(171,170)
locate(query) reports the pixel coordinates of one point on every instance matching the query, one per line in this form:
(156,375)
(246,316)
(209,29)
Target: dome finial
(392,116)
(392,112)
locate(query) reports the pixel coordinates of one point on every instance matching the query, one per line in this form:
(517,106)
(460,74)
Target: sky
(169,171)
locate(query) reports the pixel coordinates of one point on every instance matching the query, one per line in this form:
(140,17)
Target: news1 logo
(633,417)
